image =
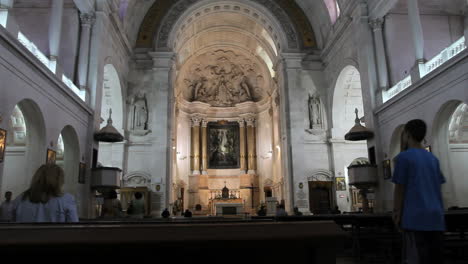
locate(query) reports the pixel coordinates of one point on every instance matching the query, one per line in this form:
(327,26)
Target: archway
(111,154)
(68,157)
(347,97)
(224,82)
(450,145)
(26,147)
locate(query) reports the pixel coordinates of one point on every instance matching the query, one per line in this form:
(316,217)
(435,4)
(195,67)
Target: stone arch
(452,190)
(22,161)
(112,97)
(70,158)
(137,179)
(347,95)
(162,16)
(321,175)
(394,147)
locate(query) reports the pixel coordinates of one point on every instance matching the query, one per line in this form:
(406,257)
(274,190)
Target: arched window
(333,9)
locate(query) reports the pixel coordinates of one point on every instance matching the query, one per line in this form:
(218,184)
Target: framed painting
(223,145)
(340,183)
(51,156)
(387,169)
(3,134)
(82,173)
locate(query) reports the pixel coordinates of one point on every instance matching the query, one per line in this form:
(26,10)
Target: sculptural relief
(223,80)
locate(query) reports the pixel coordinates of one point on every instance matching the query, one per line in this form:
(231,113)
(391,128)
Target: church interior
(233,110)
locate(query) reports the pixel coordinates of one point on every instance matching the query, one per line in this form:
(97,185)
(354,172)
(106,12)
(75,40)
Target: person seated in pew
(45,200)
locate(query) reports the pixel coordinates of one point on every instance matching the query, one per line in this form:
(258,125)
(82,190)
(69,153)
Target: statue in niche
(139,112)
(315,112)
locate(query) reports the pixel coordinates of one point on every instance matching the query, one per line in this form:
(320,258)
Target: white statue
(315,112)
(139,110)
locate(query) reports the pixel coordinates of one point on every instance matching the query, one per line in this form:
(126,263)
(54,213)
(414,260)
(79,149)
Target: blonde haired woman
(45,201)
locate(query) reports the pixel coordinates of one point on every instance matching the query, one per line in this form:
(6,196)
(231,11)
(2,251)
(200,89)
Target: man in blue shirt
(418,207)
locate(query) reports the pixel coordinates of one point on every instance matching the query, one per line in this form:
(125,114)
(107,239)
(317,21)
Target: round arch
(26,151)
(441,148)
(112,98)
(395,146)
(347,96)
(70,158)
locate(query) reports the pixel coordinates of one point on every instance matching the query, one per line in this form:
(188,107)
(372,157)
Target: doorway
(320,197)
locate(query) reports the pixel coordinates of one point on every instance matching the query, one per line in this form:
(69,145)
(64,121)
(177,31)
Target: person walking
(45,201)
(418,207)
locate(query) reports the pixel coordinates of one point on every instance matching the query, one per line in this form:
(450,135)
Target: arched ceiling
(162,16)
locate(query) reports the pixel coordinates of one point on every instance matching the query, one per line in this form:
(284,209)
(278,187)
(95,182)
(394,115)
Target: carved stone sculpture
(315,112)
(139,111)
(224,79)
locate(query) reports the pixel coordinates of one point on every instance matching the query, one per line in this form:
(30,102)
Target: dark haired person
(418,207)
(137,206)
(6,208)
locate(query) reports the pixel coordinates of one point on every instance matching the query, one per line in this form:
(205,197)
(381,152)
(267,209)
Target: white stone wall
(24,77)
(440,32)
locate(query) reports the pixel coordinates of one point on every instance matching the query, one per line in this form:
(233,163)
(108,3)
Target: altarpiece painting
(223,145)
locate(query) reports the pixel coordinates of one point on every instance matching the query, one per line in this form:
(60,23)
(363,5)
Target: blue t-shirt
(418,170)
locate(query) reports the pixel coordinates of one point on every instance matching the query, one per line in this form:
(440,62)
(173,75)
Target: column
(251,149)
(163,65)
(55,29)
(243,166)
(204,141)
(376,26)
(87,21)
(418,39)
(466,23)
(195,146)
(7,18)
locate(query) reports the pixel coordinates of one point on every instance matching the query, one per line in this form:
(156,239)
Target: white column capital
(376,24)
(87,19)
(241,122)
(204,123)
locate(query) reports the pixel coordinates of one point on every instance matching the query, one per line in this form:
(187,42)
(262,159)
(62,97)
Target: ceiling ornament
(163,15)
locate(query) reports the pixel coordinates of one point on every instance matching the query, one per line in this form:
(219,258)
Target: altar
(228,203)
(227,207)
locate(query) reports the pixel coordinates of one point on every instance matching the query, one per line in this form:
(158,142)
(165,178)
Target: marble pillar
(377,27)
(204,147)
(251,148)
(195,146)
(243,163)
(466,23)
(55,29)
(418,39)
(6,17)
(87,21)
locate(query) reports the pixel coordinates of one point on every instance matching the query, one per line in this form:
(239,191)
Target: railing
(444,56)
(398,88)
(428,67)
(72,86)
(51,65)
